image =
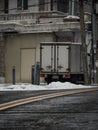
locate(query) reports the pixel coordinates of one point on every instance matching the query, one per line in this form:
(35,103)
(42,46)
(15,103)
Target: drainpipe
(70,7)
(83,41)
(94,69)
(73,6)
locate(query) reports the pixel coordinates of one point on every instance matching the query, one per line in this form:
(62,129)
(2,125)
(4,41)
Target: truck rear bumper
(73,78)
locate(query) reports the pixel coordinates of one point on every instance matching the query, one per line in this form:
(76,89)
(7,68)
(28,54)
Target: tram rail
(11,104)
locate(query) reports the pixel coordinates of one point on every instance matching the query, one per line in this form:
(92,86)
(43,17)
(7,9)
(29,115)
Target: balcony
(37,21)
(34,15)
(40,28)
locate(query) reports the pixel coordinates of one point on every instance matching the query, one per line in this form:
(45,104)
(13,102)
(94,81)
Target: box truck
(61,61)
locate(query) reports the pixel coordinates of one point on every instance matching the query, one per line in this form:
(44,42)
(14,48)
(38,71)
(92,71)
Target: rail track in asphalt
(73,112)
(11,104)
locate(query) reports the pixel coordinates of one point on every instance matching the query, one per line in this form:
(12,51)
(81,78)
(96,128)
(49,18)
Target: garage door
(27,60)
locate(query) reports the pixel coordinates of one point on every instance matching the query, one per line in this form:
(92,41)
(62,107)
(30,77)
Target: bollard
(13,75)
(33,74)
(37,73)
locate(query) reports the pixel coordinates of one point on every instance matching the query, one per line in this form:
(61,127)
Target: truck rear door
(62,62)
(47,58)
(54,58)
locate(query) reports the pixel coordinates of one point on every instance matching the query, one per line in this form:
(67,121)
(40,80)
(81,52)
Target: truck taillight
(42,75)
(66,76)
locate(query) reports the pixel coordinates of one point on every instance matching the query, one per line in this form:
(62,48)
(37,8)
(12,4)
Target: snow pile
(72,17)
(51,86)
(20,87)
(66,85)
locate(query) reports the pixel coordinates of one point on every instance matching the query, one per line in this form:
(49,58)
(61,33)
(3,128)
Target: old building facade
(24,24)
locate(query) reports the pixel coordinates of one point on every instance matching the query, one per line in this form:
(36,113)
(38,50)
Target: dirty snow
(73,17)
(51,86)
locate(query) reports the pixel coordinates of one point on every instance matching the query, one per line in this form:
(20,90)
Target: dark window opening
(41,5)
(51,6)
(63,5)
(25,4)
(19,4)
(22,4)
(6,6)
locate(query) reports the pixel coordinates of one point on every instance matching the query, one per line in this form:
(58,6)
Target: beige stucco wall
(16,42)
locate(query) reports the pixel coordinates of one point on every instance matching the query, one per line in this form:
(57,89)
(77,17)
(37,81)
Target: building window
(63,5)
(25,4)
(41,5)
(19,4)
(51,5)
(73,7)
(6,6)
(22,4)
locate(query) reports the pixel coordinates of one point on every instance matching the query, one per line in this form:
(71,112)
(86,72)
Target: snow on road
(51,86)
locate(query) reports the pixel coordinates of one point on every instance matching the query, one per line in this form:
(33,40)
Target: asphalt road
(74,112)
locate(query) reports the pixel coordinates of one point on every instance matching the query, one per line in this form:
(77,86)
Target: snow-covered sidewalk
(51,86)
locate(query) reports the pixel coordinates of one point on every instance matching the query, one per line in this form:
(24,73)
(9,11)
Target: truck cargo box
(60,61)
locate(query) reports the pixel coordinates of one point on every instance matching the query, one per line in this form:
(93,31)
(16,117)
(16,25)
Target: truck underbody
(73,78)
